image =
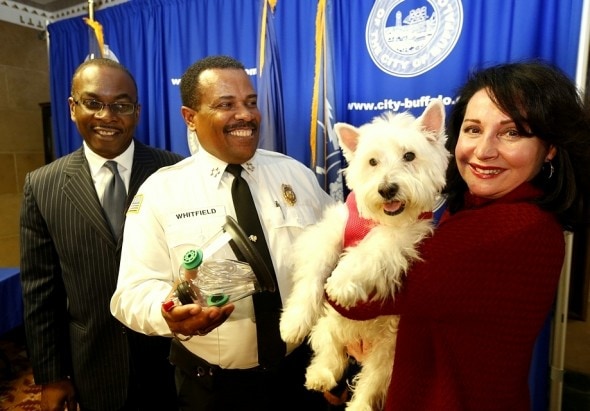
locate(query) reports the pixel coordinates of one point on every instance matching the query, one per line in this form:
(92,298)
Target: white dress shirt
(101,176)
(184,205)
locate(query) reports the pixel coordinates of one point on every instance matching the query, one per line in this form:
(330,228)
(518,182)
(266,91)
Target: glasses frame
(103,105)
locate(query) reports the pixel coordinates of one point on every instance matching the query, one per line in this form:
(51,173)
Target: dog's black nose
(388,191)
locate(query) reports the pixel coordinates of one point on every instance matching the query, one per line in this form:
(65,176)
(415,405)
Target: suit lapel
(144,165)
(79,189)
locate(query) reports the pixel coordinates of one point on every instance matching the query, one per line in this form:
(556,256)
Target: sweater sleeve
(481,258)
(364,310)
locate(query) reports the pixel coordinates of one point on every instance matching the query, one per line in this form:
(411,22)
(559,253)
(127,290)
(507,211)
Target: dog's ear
(433,119)
(348,137)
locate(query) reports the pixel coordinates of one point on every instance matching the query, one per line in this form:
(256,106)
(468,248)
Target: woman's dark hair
(543,102)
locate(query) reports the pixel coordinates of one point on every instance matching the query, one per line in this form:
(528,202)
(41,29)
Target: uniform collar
(215,168)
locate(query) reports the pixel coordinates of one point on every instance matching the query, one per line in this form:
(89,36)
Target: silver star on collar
(214,171)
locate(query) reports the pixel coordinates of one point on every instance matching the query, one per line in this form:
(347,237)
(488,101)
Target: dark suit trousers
(203,387)
(151,380)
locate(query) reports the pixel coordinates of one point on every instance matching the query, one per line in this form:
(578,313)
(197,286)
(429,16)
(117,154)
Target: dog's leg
(371,384)
(374,266)
(330,359)
(316,252)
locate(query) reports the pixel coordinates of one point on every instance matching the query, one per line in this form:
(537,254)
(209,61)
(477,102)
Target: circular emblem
(289,194)
(406,41)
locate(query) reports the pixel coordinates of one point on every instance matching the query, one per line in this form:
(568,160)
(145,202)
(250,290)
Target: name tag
(215,211)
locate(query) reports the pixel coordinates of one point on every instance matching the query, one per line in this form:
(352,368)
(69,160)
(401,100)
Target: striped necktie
(113,200)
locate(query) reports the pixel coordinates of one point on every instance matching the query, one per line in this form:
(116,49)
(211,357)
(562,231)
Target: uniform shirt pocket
(299,216)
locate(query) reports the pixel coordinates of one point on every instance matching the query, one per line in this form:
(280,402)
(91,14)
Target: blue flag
(270,93)
(95,38)
(326,158)
(97,48)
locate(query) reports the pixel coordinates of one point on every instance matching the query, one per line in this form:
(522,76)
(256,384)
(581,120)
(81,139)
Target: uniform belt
(196,366)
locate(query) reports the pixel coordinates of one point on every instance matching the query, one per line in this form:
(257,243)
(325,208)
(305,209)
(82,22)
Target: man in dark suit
(70,253)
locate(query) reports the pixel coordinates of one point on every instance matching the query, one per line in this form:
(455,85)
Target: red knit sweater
(473,308)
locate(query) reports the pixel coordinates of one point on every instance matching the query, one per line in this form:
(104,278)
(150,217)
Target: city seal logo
(408,38)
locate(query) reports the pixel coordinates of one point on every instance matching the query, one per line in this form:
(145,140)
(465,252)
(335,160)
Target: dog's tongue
(392,207)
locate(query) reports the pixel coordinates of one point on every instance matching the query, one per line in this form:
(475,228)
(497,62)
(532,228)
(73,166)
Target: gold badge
(289,194)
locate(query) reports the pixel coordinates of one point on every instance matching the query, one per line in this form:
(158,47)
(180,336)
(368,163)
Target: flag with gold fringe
(97,48)
(326,158)
(95,38)
(269,82)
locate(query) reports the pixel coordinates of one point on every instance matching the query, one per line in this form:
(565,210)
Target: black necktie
(267,305)
(113,200)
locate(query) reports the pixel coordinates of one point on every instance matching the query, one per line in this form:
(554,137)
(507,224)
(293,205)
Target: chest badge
(289,194)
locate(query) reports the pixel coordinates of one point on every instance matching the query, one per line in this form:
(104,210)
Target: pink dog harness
(356,227)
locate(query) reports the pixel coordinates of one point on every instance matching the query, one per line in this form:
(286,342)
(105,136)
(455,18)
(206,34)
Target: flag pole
(583,48)
(95,34)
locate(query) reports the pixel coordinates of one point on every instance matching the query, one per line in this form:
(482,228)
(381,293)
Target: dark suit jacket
(69,269)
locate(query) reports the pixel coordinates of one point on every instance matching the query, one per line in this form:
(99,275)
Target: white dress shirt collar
(96,162)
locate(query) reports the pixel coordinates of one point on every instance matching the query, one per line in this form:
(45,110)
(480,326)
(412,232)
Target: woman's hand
(358,349)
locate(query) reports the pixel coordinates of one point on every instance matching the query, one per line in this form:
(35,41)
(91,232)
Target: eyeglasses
(95,106)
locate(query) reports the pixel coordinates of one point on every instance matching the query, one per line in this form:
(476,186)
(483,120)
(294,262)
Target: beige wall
(24,83)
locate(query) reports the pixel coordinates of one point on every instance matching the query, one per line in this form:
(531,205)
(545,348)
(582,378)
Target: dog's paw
(319,379)
(293,335)
(295,325)
(345,293)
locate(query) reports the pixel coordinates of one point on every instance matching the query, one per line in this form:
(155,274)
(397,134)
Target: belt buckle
(201,371)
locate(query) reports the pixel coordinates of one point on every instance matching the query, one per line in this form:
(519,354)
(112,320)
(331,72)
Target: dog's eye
(409,156)
(373,162)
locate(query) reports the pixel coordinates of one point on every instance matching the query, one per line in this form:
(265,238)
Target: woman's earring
(551,169)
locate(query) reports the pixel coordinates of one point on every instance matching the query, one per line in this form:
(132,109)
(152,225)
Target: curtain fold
(158,39)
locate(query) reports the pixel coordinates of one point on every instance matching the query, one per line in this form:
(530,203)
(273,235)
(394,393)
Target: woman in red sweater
(473,308)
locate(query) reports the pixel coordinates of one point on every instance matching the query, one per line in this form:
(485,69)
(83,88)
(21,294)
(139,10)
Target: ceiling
(50,5)
(37,14)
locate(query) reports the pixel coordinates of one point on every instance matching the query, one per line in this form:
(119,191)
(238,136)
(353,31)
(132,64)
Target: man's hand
(58,396)
(192,319)
(337,399)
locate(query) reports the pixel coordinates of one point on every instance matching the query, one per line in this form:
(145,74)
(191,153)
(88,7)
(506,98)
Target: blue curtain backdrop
(492,32)
(158,39)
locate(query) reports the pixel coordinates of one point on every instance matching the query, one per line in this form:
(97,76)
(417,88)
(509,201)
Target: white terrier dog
(396,170)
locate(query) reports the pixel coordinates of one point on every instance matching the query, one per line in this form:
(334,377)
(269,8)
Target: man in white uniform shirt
(215,350)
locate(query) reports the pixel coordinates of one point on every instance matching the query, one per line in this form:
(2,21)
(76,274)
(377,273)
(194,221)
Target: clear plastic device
(208,280)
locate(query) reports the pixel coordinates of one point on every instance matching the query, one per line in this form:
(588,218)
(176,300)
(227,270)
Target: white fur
(379,164)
